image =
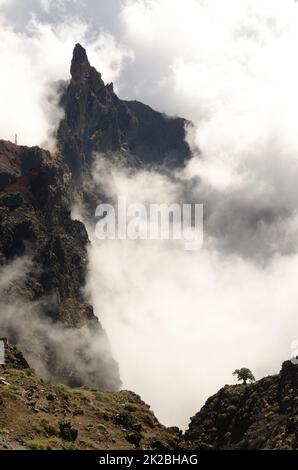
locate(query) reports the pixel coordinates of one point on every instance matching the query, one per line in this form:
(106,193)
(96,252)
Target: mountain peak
(97,121)
(80,65)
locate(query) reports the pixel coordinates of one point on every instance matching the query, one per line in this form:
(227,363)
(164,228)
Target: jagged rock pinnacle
(97,121)
(80,66)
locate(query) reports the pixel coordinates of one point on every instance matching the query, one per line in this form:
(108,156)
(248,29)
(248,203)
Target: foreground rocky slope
(37,415)
(43,262)
(263,415)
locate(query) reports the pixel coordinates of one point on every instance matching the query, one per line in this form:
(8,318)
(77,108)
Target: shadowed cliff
(97,121)
(43,262)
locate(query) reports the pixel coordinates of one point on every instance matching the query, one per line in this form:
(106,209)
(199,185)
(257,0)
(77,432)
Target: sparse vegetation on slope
(35,414)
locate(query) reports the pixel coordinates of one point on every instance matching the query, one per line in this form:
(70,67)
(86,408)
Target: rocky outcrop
(97,121)
(262,415)
(43,308)
(14,358)
(158,139)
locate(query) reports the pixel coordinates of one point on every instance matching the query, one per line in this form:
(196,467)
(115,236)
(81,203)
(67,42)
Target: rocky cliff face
(262,415)
(43,308)
(97,121)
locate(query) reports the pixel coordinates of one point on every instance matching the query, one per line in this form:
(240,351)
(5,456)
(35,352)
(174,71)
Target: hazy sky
(179,323)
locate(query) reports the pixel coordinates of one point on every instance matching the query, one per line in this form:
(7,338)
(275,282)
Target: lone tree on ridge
(244,374)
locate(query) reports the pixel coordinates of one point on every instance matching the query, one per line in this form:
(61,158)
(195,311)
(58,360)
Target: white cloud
(181,322)
(48,4)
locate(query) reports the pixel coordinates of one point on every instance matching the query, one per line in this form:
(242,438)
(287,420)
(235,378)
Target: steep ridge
(262,415)
(97,121)
(44,310)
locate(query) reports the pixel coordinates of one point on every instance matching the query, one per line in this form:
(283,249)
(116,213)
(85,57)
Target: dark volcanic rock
(96,121)
(158,139)
(262,415)
(48,314)
(14,358)
(67,431)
